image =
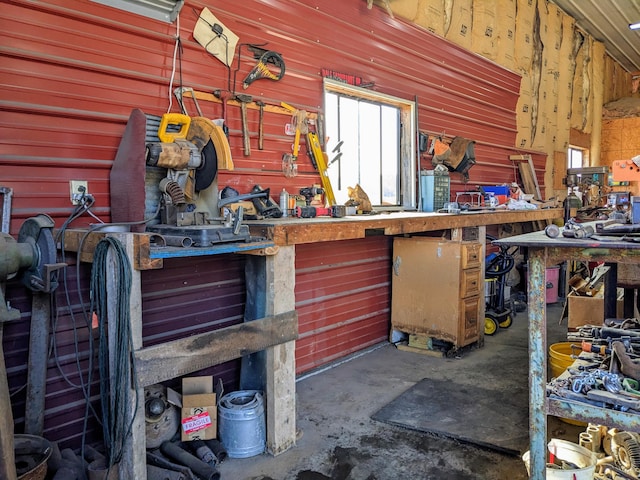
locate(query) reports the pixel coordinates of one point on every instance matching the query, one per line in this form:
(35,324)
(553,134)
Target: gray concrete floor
(339,440)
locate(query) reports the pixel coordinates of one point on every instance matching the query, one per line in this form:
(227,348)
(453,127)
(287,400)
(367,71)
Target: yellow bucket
(559,360)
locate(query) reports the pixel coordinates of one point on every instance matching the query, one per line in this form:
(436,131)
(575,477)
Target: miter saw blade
(206,173)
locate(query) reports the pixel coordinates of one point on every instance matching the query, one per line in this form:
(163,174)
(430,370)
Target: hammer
(260,104)
(223,96)
(244,99)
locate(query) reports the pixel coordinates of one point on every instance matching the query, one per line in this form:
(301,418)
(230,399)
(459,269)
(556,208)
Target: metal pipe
(537,362)
(177,241)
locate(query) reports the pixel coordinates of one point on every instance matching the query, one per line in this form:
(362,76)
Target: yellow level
(319,156)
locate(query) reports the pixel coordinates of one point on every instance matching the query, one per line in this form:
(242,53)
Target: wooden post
(133,463)
(280,388)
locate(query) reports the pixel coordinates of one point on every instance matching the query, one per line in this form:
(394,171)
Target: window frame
(408,176)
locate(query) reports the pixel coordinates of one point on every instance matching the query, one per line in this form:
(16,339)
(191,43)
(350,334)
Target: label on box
(196,422)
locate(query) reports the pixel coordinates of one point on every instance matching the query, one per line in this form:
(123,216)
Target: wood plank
(306,230)
(133,463)
(86,241)
(180,357)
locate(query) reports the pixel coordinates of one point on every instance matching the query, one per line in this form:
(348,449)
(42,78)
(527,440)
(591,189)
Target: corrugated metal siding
(342,298)
(184,298)
(73,70)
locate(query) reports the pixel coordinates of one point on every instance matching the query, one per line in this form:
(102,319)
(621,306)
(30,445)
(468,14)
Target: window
(165,10)
(575,157)
(371,142)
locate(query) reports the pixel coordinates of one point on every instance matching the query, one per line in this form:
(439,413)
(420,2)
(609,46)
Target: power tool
(309,192)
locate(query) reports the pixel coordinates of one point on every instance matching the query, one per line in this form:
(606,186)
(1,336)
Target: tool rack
(545,251)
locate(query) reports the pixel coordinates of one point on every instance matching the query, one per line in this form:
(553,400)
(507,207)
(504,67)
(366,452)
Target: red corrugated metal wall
(342,298)
(71,72)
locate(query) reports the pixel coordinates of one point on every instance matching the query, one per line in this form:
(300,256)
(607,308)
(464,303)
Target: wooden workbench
(293,231)
(275,334)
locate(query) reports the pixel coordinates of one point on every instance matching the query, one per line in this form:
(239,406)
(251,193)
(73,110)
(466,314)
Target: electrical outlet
(77,188)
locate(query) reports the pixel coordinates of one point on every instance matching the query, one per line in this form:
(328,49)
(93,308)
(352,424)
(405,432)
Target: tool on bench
(336,211)
(260,104)
(573,229)
(616,228)
(621,401)
(189,191)
(264,204)
(244,99)
(310,192)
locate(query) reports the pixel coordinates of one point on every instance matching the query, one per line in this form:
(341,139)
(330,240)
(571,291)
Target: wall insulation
(566,74)
(72,71)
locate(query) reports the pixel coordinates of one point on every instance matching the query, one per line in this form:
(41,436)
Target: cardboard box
(199,409)
(589,310)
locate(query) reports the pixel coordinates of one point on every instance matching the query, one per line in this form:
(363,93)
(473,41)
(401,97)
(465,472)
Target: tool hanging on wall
(313,144)
(223,96)
(179,94)
(262,70)
(260,105)
(289,160)
(243,100)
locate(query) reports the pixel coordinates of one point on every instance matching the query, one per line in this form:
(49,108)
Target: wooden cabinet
(436,289)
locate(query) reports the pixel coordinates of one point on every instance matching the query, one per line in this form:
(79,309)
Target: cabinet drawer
(469,320)
(470,255)
(469,283)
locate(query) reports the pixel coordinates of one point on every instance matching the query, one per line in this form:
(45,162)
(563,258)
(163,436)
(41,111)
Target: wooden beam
(133,462)
(280,382)
(180,357)
(86,241)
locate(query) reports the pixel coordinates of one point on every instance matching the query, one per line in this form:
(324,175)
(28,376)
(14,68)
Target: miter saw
(189,150)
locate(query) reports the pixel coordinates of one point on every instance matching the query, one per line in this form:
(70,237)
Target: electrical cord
(115,379)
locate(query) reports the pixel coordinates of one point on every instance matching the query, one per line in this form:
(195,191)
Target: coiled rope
(116,381)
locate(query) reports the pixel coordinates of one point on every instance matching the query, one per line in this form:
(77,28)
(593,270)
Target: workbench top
(280,232)
(292,231)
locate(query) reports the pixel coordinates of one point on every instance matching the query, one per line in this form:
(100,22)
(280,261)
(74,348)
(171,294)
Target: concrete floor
(339,440)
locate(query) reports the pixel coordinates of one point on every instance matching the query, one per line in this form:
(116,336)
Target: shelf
(592,414)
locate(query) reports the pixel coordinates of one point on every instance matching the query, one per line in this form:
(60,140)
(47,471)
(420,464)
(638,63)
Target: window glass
(367,145)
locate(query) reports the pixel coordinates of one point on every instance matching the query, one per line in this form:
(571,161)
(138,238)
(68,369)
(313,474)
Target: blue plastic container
(497,190)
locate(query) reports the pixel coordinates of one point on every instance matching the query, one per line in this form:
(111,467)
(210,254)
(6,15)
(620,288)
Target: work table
(275,328)
(544,251)
(292,231)
(280,232)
